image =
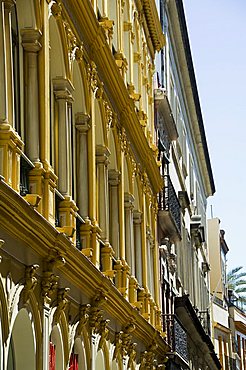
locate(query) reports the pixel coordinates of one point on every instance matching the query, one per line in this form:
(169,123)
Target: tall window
(16,71)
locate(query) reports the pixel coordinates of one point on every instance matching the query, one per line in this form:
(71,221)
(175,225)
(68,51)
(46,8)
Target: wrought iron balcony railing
(169,203)
(176,336)
(204,318)
(79,222)
(25,167)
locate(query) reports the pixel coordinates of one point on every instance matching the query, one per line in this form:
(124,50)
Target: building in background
(188,182)
(237,320)
(221,331)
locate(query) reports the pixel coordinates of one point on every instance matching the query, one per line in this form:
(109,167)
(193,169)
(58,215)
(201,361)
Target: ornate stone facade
(78,188)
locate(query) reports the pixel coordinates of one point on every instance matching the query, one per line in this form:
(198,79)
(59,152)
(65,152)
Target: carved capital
(50,280)
(63,89)
(82,122)
(49,285)
(129,201)
(84,315)
(113,177)
(118,346)
(79,53)
(92,76)
(132,353)
(102,154)
(31,40)
(62,302)
(96,316)
(30,281)
(103,331)
(137,217)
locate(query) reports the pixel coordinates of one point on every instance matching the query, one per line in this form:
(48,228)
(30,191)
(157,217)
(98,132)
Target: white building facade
(188,182)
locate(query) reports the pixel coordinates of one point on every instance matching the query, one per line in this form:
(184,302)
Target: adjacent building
(188,182)
(221,331)
(228,317)
(237,320)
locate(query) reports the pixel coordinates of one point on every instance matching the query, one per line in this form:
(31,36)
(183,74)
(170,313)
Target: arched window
(56,360)
(21,353)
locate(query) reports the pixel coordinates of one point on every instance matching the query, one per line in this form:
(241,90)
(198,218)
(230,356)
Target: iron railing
(233,363)
(204,318)
(176,336)
(25,167)
(79,222)
(168,201)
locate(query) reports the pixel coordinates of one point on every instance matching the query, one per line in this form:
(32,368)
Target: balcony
(169,211)
(204,318)
(25,167)
(176,337)
(166,120)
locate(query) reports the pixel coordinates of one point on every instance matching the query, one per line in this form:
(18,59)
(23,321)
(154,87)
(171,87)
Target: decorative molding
(31,40)
(50,280)
(104,332)
(84,316)
(30,281)
(62,302)
(118,346)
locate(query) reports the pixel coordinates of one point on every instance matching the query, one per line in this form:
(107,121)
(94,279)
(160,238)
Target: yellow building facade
(79,170)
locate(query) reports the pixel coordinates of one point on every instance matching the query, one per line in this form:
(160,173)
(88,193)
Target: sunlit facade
(78,189)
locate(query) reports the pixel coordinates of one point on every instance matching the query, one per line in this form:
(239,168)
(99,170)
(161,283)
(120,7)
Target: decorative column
(3,66)
(10,142)
(67,208)
(31,45)
(114,211)
(82,125)
(102,155)
(6,63)
(129,245)
(63,93)
(137,219)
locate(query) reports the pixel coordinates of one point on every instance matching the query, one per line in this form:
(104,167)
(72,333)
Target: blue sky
(217,30)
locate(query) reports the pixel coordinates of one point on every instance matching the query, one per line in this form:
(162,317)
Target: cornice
(93,37)
(182,45)
(154,25)
(20,220)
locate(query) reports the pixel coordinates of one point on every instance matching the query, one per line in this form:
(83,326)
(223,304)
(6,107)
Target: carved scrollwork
(49,285)
(127,337)
(123,140)
(132,353)
(56,9)
(79,53)
(30,281)
(108,114)
(92,76)
(83,317)
(62,302)
(147,357)
(96,316)
(104,332)
(118,346)
(50,280)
